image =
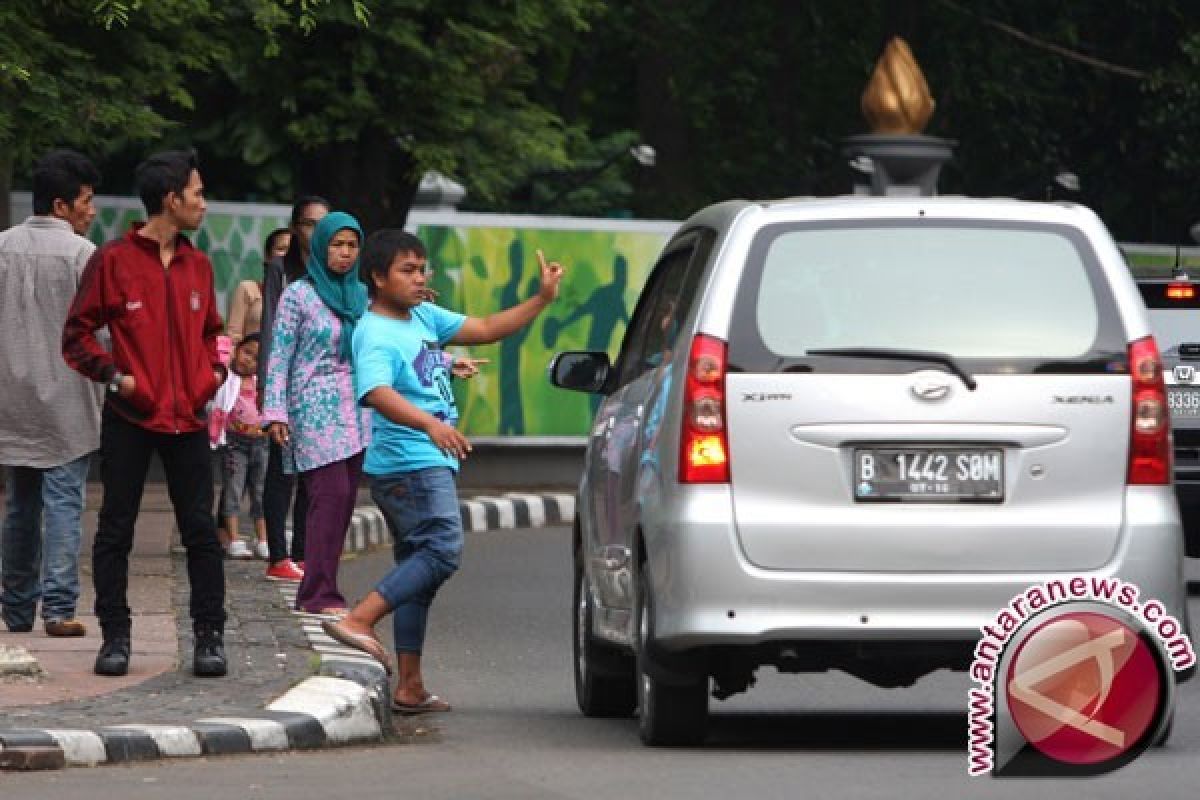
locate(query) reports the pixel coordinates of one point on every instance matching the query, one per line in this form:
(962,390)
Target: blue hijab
(345,295)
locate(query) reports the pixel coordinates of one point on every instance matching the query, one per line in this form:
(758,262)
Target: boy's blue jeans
(36,564)
(421,509)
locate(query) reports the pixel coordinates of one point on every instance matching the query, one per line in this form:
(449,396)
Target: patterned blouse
(308,387)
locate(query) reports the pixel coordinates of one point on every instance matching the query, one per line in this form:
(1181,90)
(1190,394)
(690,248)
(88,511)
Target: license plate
(1184,402)
(891,474)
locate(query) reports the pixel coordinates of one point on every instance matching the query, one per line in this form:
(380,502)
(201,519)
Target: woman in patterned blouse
(309,404)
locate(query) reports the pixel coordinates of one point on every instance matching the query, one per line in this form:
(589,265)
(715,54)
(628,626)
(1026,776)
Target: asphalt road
(499,649)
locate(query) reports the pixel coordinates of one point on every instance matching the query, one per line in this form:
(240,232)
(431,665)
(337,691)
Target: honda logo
(1185,373)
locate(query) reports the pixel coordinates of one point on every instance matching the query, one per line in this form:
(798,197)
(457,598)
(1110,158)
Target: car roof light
(1180,291)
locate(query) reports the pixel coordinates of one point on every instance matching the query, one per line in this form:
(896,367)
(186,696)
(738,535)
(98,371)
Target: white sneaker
(238,549)
(261,550)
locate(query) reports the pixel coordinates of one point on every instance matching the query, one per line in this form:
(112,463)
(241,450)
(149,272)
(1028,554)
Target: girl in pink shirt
(244,466)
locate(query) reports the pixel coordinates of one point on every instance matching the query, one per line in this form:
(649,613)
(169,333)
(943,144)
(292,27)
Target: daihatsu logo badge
(930,390)
(1185,373)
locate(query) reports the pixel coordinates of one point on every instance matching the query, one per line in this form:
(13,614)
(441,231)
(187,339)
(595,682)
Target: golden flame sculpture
(897,99)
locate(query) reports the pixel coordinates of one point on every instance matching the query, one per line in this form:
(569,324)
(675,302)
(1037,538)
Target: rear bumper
(707,593)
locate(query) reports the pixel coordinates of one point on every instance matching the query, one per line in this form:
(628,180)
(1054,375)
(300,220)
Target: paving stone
(32,757)
(260,628)
(16,660)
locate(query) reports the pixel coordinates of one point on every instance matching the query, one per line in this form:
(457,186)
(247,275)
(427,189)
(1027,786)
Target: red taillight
(704,448)
(1150,436)
(1181,291)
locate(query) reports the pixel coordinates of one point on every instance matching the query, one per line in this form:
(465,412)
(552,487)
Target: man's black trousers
(125,450)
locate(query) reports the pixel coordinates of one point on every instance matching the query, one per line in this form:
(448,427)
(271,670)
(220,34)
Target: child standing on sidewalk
(244,461)
(400,372)
(218,414)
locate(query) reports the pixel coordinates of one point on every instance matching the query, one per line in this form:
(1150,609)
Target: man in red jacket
(154,291)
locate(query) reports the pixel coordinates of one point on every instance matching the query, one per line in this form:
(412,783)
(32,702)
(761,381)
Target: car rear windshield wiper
(945,359)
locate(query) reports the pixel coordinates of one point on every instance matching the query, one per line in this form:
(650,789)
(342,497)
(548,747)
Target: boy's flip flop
(335,614)
(359,641)
(430,704)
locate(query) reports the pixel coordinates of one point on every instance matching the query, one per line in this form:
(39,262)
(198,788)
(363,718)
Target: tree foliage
(753,99)
(531,103)
(68,76)
(108,75)
(359,112)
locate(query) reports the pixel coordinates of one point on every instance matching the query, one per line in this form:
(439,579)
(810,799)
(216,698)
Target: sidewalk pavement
(289,686)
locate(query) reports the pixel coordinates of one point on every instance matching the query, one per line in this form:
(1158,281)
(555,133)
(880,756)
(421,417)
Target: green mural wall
(479,270)
(1159,261)
(481,264)
(233,239)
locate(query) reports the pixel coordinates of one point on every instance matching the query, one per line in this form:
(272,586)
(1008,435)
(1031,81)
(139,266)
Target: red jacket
(164,325)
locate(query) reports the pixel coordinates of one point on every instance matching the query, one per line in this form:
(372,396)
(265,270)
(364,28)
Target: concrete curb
(321,711)
(348,702)
(480,513)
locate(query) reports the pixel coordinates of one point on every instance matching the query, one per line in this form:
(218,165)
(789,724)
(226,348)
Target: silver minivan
(842,433)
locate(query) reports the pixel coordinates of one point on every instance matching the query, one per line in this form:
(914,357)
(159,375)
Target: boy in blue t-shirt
(401,372)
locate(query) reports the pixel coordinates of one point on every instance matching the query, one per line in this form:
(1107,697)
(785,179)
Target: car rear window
(1028,296)
(1174,315)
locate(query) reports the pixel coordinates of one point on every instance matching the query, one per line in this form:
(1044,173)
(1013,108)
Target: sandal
(335,614)
(359,641)
(430,704)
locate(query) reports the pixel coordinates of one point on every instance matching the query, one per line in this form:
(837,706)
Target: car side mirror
(580,370)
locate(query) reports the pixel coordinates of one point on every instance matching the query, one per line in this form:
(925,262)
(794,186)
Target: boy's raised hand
(551,276)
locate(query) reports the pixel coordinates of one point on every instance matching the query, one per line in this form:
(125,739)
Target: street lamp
(1068,181)
(438,192)
(1045,186)
(645,155)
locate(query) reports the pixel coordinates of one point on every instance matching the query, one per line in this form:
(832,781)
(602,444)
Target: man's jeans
(37,565)
(421,509)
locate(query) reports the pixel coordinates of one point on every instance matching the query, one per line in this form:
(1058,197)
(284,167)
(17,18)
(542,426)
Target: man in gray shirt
(49,414)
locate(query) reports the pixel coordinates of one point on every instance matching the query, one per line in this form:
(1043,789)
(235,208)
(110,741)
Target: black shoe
(113,658)
(208,659)
(17,624)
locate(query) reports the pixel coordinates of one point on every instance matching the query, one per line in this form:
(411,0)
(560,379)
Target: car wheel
(671,713)
(1163,737)
(604,679)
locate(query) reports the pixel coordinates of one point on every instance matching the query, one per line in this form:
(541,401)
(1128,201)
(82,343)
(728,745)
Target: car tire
(605,684)
(670,714)
(1165,736)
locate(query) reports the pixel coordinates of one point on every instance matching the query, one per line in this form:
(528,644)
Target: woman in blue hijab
(333,271)
(309,403)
